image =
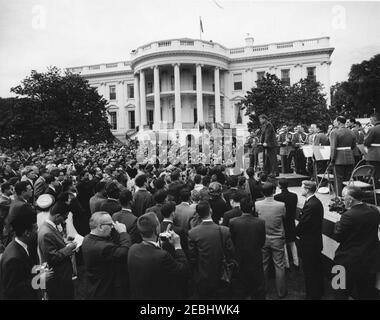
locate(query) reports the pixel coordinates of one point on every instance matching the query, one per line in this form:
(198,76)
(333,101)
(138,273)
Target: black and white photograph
(196,152)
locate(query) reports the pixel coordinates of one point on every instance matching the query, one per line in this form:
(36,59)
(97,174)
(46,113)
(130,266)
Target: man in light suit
(183,211)
(273,213)
(372,142)
(309,232)
(342,142)
(54,250)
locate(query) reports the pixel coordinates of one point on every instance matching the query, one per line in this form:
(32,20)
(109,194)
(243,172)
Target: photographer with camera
(358,251)
(153,272)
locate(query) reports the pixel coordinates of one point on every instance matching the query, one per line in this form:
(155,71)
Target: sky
(35,34)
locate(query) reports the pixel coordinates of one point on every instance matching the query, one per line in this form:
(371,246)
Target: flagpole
(200,29)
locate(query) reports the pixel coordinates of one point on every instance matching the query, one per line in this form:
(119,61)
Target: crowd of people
(169,231)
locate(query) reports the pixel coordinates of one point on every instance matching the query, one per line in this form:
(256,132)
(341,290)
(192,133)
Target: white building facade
(181,83)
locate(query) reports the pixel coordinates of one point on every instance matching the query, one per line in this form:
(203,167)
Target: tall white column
(199,93)
(121,103)
(157,102)
(142,100)
(323,76)
(218,110)
(177,98)
(137,101)
(102,90)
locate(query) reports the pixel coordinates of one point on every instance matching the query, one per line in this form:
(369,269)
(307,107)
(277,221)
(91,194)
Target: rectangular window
(285,76)
(238,81)
(131,91)
(131,118)
(172,83)
(113,120)
(112,92)
(194,82)
(311,73)
(149,88)
(260,75)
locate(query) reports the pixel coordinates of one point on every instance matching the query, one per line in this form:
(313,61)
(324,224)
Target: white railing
(186,43)
(261,48)
(164,43)
(285,45)
(237,50)
(111,65)
(96,67)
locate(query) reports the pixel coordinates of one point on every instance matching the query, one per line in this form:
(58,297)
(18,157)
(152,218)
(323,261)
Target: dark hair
(167,209)
(5,186)
(140,180)
(159,183)
(341,119)
(246,205)
(175,175)
(100,186)
(250,172)
(112,190)
(358,123)
(268,189)
(125,197)
(355,192)
(160,196)
(49,179)
(198,179)
(147,224)
(233,181)
(352,120)
(185,194)
(21,186)
(203,209)
(237,196)
(283,183)
(206,181)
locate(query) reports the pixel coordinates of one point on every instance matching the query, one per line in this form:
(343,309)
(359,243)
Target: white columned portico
(157,102)
(142,99)
(177,97)
(218,110)
(199,93)
(137,102)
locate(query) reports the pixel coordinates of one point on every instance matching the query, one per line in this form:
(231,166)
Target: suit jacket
(286,146)
(228,195)
(142,200)
(5,204)
(16,274)
(219,207)
(253,187)
(111,206)
(248,237)
(206,253)
(51,247)
(182,215)
(357,233)
(299,137)
(95,202)
(273,213)
(290,199)
(156,275)
(105,264)
(233,213)
(39,187)
(309,228)
(373,137)
(16,207)
(268,135)
(342,137)
(126,217)
(321,139)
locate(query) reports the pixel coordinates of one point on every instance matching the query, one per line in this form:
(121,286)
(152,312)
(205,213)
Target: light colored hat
(45,201)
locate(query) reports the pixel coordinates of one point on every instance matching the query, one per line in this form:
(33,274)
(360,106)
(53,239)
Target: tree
(55,108)
(302,103)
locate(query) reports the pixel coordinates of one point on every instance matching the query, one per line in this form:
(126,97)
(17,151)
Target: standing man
(269,141)
(248,237)
(372,142)
(342,142)
(286,147)
(309,232)
(142,198)
(273,213)
(359,246)
(298,140)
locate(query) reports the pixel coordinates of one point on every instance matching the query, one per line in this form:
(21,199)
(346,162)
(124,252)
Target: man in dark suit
(142,199)
(248,237)
(57,254)
(5,203)
(358,251)
(153,272)
(105,261)
(175,186)
(99,197)
(309,231)
(16,263)
(235,211)
(372,142)
(269,141)
(253,187)
(208,243)
(342,142)
(111,205)
(290,199)
(159,198)
(52,187)
(298,140)
(126,216)
(233,188)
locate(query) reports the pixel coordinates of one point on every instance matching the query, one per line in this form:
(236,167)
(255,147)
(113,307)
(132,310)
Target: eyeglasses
(107,224)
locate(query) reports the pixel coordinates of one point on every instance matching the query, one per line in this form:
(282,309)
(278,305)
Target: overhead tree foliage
(359,96)
(302,103)
(54,108)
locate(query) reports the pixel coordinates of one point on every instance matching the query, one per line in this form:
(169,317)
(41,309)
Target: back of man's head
(5,187)
(246,205)
(167,209)
(140,180)
(283,183)
(174,176)
(341,120)
(203,209)
(233,181)
(21,187)
(147,224)
(125,197)
(160,196)
(198,179)
(250,172)
(113,190)
(354,192)
(185,195)
(268,189)
(159,183)
(100,186)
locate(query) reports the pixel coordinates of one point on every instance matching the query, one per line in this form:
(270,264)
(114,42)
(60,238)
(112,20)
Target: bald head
(99,218)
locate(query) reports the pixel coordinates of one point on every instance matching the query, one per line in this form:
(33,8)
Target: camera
(337,205)
(165,236)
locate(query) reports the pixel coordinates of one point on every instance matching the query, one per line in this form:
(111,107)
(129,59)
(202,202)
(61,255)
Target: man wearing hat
(17,262)
(43,204)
